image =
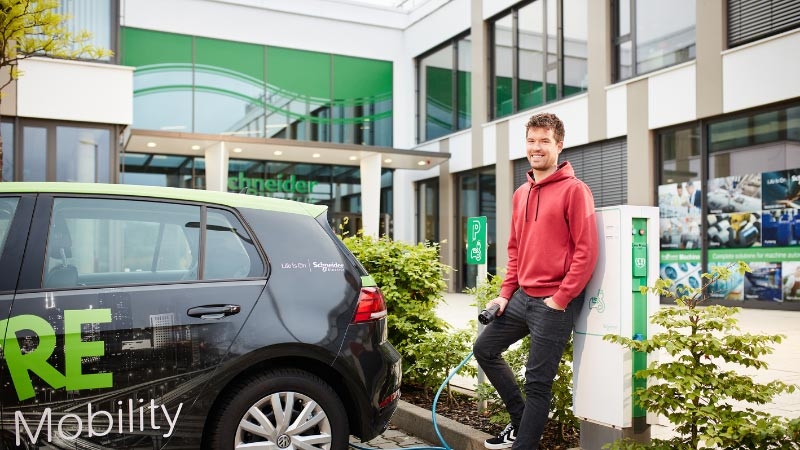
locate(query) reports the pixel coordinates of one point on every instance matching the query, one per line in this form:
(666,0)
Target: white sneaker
(503,440)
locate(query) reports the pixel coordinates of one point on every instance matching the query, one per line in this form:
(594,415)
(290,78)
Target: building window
(163,170)
(751,20)
(680,154)
(52,151)
(98,17)
(444,98)
(539,54)
(427,192)
(650,35)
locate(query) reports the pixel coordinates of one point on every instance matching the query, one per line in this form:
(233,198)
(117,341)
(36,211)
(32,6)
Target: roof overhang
(282,150)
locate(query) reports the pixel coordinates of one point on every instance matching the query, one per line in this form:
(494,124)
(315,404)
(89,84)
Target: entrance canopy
(194,144)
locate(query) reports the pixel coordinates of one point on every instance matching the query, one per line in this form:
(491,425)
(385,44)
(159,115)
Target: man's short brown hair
(548,121)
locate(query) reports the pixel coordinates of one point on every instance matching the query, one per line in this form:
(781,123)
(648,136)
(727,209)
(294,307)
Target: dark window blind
(751,20)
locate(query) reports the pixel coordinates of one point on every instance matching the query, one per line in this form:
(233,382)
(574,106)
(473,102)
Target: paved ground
(392,439)
(784,364)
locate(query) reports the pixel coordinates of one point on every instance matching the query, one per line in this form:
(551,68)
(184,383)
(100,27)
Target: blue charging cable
(433,413)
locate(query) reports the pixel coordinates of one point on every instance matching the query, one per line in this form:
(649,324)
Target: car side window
(230,252)
(98,242)
(7,208)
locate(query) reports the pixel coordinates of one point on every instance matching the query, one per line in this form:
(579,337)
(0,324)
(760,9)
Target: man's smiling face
(542,148)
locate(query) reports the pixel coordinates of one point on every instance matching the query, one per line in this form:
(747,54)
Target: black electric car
(143,317)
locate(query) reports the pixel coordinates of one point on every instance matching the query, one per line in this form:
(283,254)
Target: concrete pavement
(412,426)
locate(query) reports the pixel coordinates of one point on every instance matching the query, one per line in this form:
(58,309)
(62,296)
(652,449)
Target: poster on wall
(679,216)
(781,189)
(734,194)
(754,218)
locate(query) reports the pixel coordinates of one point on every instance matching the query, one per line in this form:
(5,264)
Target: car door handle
(211,312)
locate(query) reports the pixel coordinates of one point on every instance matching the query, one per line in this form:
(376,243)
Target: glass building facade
(200,85)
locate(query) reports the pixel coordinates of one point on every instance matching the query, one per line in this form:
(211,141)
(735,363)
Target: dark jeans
(550,330)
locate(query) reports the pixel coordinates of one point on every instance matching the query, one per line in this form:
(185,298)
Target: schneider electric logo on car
(130,416)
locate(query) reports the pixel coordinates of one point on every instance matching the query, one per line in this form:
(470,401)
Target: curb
(418,421)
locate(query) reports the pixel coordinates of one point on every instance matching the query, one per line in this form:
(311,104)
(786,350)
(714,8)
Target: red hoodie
(552,250)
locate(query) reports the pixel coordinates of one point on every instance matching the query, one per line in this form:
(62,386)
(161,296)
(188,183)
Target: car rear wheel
(282,409)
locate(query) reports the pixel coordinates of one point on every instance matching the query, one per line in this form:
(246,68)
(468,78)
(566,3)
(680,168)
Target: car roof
(169,193)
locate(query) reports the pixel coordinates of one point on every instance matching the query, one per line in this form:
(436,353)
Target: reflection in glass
(503,66)
(93,16)
(34,154)
(464,83)
(428,210)
(680,155)
(203,85)
(8,206)
(576,70)
(552,52)
(762,142)
(229,87)
(665,33)
(538,59)
(7,134)
(623,17)
(624,60)
(163,170)
(82,154)
(437,70)
(530,37)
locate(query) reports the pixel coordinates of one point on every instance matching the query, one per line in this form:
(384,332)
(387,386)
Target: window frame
(557,65)
(454,88)
(617,40)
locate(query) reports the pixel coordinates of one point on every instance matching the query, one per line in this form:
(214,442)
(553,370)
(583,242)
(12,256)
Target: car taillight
(371,305)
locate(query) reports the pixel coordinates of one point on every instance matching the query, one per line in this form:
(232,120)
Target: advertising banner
(753,218)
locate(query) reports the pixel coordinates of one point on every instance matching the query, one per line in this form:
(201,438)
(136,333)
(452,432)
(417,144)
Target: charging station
(603,382)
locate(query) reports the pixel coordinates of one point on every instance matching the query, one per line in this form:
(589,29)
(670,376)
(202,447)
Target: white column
(217,168)
(404,206)
(85,159)
(371,194)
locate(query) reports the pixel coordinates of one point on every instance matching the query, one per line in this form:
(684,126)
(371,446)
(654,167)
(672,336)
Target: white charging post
(603,381)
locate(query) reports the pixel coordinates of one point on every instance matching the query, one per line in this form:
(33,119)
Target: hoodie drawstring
(528,199)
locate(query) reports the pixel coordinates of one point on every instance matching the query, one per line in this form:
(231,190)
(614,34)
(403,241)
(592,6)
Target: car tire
(248,414)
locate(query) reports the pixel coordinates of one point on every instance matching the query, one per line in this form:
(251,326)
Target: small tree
(693,389)
(34,28)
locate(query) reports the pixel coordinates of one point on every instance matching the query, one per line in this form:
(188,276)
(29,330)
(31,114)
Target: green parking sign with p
(476,240)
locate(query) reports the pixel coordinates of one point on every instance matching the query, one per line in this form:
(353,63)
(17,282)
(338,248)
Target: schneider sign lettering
(278,184)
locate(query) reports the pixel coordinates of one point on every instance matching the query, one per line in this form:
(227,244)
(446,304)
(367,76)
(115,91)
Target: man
(552,253)
(694,196)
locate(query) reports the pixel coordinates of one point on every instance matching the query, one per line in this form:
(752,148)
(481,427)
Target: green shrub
(517,356)
(413,282)
(693,389)
(437,354)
